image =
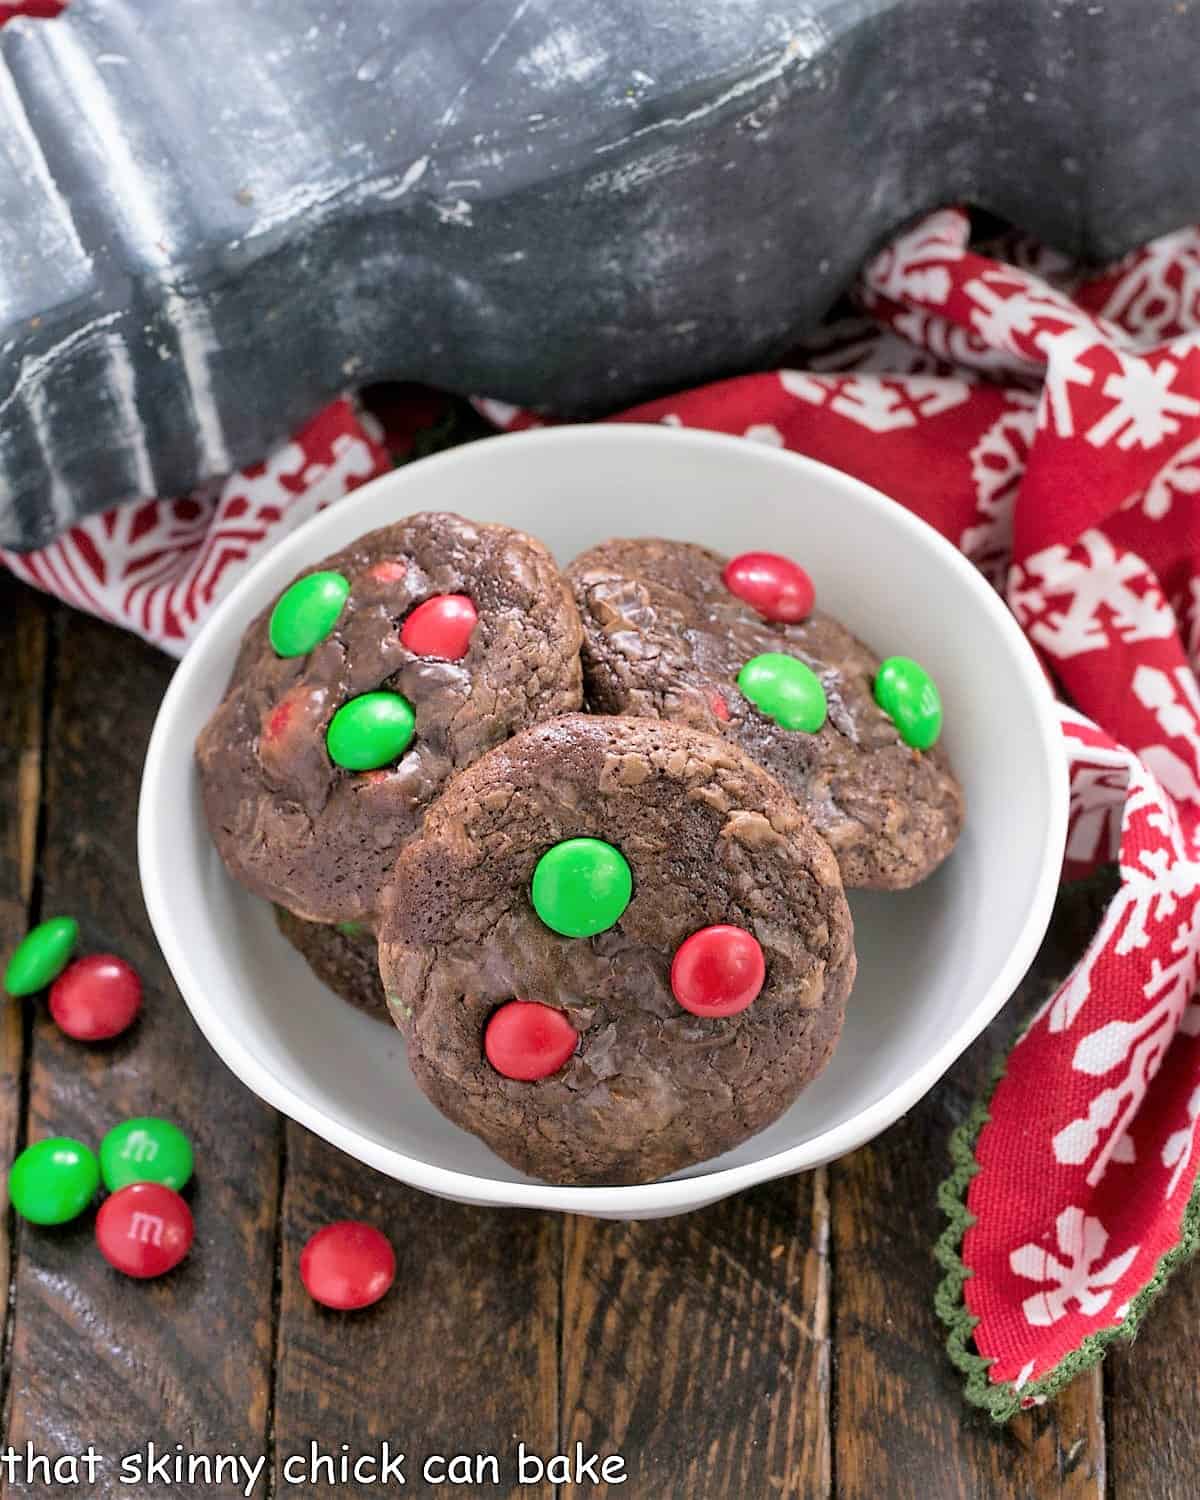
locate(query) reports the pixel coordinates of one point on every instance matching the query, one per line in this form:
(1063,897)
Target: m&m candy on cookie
(441,628)
(738,648)
(908,695)
(368,682)
(617,947)
(776,587)
(527,1040)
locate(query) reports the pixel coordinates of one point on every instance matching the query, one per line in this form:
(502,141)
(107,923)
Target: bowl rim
(676,1194)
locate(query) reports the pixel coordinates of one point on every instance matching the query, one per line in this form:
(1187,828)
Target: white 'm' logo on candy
(140,1147)
(148,1228)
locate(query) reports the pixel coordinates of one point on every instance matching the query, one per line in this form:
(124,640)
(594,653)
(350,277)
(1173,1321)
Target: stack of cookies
(585,837)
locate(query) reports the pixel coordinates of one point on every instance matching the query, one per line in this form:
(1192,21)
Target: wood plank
(698,1347)
(22,672)
(1153,1437)
(898,1400)
(459,1357)
(185,1359)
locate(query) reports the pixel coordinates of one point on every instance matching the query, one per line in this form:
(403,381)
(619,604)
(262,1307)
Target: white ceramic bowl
(935,963)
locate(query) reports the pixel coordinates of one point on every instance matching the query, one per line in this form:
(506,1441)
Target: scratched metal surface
(216,213)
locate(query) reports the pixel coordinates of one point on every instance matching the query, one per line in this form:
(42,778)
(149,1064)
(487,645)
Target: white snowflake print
(1077,1277)
(765,432)
(1135,1050)
(1147,408)
(1013,309)
(913,268)
(997,464)
(1156,883)
(1178,479)
(1179,1145)
(1158,294)
(1064,370)
(1097,798)
(879,405)
(954,347)
(1108,594)
(1174,700)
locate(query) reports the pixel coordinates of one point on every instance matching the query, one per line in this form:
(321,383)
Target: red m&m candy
(440,627)
(347,1265)
(96,997)
(779,589)
(527,1041)
(144,1230)
(718,971)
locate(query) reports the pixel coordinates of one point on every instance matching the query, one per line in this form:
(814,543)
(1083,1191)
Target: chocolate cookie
(371,679)
(616,947)
(666,636)
(344,957)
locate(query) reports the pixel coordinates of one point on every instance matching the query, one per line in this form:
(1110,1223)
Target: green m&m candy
(907,694)
(581,887)
(307,612)
(41,956)
(785,690)
(145,1150)
(370,731)
(53,1181)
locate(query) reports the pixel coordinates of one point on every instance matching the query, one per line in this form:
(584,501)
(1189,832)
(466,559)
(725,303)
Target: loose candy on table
(41,956)
(908,695)
(53,1181)
(347,1265)
(785,690)
(96,997)
(718,971)
(440,627)
(526,1040)
(778,588)
(144,1230)
(146,1149)
(307,612)
(581,886)
(370,731)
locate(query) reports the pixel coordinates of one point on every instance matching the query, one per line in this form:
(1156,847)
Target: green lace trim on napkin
(1001,1398)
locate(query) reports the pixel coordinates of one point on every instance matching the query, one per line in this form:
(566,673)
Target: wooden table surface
(781,1344)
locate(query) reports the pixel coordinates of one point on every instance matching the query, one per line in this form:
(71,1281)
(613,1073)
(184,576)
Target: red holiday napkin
(1049,425)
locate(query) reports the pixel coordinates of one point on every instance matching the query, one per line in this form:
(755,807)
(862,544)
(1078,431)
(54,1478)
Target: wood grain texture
(1153,1435)
(22,676)
(698,1346)
(780,1344)
(185,1359)
(459,1357)
(900,1410)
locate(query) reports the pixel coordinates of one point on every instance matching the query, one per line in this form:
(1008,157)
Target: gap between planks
(25,684)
